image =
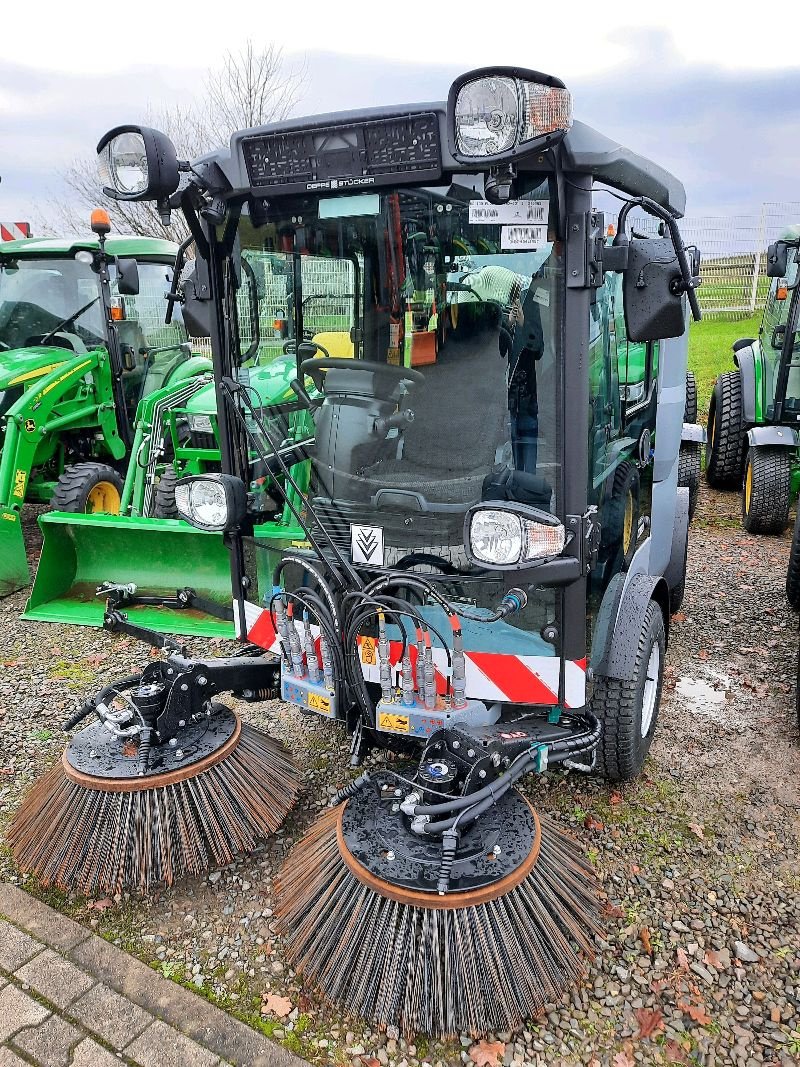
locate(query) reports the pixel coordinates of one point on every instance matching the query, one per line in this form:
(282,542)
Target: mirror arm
(174,296)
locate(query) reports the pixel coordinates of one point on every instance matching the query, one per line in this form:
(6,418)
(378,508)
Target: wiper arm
(68,321)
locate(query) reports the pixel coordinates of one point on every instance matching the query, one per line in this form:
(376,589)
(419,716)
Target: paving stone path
(70,999)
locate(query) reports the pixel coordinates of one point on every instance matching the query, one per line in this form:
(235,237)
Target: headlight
(211,501)
(496,112)
(512,537)
(137,163)
(200,423)
(122,164)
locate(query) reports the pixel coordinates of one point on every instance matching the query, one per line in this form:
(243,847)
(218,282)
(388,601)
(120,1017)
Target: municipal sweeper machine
(487,540)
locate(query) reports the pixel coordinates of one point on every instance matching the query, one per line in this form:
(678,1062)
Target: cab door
(780,393)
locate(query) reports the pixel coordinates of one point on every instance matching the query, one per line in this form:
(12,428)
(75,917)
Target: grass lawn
(710,351)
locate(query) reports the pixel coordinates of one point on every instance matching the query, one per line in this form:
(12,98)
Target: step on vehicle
(82,340)
(754,414)
(490,542)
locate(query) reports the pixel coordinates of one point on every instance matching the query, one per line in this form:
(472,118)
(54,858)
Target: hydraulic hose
(108,691)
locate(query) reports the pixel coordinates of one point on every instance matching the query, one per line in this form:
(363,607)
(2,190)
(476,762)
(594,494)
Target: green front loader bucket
(14,572)
(159,556)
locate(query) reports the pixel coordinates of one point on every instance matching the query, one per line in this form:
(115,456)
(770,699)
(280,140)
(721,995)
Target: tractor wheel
(690,407)
(689,472)
(766,490)
(793,570)
(88,488)
(621,526)
(164,505)
(628,710)
(726,442)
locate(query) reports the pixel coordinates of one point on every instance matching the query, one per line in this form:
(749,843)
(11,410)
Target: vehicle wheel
(690,407)
(726,443)
(88,488)
(689,472)
(793,570)
(628,710)
(164,505)
(621,526)
(766,490)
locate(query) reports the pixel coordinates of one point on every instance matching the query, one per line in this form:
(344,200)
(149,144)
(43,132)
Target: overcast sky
(708,95)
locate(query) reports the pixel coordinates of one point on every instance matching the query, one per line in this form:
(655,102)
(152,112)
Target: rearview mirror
(653,300)
(127,277)
(197,300)
(777,259)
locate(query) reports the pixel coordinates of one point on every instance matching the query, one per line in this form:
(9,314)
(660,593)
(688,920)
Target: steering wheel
(313,366)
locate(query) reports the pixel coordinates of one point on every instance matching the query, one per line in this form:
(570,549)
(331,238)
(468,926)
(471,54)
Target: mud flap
(14,573)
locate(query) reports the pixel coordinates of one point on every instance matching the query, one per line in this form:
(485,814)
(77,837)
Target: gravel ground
(698,858)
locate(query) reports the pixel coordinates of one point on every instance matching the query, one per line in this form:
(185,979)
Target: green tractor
(755,409)
(82,342)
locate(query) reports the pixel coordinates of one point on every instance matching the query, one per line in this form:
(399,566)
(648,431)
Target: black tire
(690,407)
(164,504)
(726,440)
(88,488)
(619,704)
(793,570)
(689,472)
(766,490)
(621,525)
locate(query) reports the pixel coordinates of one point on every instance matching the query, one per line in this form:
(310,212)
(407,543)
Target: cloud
(727,134)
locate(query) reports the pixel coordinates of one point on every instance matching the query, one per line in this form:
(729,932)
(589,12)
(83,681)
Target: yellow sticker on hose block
(396,723)
(368,651)
(319,703)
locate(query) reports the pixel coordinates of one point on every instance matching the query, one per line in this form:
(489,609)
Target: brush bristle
(478,969)
(95,841)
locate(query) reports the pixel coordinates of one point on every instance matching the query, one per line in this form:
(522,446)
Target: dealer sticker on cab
(483,213)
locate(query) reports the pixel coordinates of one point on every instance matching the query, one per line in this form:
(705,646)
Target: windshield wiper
(68,321)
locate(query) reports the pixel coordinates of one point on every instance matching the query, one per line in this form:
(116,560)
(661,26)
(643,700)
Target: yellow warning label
(398,723)
(368,655)
(19,484)
(319,703)
(9,516)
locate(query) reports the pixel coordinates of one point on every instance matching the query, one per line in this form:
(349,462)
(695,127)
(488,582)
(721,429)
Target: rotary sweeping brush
(398,930)
(142,797)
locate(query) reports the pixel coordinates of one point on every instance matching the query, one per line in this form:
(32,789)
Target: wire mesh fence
(733,252)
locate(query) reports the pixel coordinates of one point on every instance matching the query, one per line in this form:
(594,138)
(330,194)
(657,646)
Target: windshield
(36,295)
(780,306)
(443,329)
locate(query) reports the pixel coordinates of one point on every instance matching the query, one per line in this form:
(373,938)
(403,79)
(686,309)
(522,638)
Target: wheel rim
(627,522)
(650,689)
(748,486)
(103,497)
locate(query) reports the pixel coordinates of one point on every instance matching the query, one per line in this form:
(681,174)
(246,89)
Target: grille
(343,157)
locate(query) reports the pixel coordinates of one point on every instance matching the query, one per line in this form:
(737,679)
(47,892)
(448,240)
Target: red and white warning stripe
(491,676)
(14,231)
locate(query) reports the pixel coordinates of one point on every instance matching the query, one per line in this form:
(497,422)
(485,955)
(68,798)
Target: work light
(497,112)
(511,535)
(137,163)
(213,502)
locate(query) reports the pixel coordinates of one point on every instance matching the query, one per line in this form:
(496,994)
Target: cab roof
(116,245)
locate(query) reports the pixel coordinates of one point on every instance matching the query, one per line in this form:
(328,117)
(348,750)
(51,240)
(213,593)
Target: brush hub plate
(490,849)
(97,752)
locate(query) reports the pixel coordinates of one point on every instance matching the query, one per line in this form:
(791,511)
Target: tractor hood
(21,365)
(270,383)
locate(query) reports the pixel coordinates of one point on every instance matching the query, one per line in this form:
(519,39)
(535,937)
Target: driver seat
(336,343)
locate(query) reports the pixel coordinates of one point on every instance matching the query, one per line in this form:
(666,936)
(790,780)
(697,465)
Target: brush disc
(100,833)
(477,960)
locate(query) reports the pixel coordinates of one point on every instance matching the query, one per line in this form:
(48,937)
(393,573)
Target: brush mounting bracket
(493,847)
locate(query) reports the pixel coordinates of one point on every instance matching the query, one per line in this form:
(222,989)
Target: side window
(604,391)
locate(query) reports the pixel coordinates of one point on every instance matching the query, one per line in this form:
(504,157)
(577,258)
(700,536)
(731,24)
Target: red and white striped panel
(14,231)
(491,676)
